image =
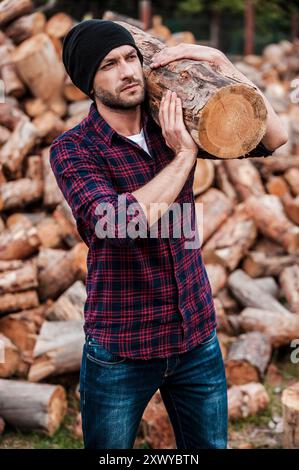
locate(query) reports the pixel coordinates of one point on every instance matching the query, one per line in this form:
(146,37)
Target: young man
(149,316)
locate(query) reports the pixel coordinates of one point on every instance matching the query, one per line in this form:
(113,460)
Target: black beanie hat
(86,45)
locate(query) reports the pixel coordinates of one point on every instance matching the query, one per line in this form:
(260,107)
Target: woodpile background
(250,237)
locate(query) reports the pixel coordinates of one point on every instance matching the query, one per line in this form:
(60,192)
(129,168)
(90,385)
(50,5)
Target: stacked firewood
(250,233)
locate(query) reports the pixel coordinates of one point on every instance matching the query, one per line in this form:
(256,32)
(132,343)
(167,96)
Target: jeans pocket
(210,338)
(98,354)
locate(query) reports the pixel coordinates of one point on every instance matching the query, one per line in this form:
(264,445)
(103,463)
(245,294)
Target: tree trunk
(215,208)
(58,349)
(40,68)
(26,26)
(231,241)
(32,407)
(281,329)
(249,294)
(213,104)
(268,213)
(246,400)
(12,9)
(248,358)
(289,281)
(290,411)
(70,305)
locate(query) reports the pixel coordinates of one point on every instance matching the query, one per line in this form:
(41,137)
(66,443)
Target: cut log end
(57,407)
(233,122)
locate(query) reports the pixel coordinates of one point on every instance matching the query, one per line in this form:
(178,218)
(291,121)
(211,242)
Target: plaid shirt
(148,296)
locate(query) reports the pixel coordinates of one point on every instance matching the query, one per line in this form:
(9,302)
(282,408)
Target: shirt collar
(104,130)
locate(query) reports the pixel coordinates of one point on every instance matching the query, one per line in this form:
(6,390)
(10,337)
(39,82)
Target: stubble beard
(115,101)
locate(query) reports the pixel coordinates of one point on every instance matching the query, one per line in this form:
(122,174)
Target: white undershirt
(140,140)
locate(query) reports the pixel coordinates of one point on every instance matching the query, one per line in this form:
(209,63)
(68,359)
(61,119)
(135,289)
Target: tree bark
(290,412)
(281,329)
(32,407)
(248,358)
(249,294)
(246,400)
(58,349)
(213,104)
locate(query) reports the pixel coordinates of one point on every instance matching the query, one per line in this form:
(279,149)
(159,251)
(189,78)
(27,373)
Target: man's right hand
(173,127)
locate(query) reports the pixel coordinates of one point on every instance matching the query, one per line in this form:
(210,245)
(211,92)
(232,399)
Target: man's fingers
(172,106)
(165,109)
(179,121)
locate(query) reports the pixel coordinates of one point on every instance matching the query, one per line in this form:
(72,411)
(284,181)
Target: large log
(268,213)
(19,279)
(215,208)
(12,9)
(22,329)
(281,329)
(258,263)
(12,83)
(17,194)
(18,242)
(203,176)
(232,240)
(245,178)
(66,221)
(217,277)
(290,412)
(18,301)
(39,67)
(289,281)
(10,354)
(32,407)
(213,103)
(57,274)
(59,25)
(246,400)
(248,358)
(224,184)
(70,305)
(16,148)
(249,294)
(58,349)
(26,26)
(52,193)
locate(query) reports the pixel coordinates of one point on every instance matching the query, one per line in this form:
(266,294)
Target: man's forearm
(160,192)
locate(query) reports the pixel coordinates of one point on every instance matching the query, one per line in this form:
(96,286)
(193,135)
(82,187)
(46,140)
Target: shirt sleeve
(92,198)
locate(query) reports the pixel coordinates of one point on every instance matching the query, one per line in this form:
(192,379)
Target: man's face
(119,69)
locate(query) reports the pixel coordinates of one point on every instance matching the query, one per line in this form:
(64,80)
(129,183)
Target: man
(149,316)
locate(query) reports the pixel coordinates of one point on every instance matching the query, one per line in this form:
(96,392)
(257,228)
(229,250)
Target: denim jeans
(114,392)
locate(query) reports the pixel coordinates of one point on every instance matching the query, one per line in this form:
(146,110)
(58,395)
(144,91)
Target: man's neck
(124,121)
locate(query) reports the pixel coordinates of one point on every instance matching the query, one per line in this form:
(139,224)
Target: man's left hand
(188,51)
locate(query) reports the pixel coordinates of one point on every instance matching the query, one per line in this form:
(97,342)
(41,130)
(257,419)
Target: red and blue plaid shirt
(148,296)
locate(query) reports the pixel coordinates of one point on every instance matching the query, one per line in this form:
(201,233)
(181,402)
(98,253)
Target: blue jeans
(114,392)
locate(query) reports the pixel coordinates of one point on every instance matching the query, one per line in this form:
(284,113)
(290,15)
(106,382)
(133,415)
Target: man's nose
(126,70)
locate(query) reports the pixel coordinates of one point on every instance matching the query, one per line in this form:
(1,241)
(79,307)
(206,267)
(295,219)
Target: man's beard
(116,102)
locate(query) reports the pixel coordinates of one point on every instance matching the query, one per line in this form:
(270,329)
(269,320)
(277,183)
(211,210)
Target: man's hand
(173,128)
(187,51)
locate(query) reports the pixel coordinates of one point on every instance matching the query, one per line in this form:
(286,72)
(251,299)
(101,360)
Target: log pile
(250,232)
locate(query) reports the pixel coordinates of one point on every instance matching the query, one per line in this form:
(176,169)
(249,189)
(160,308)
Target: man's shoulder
(73,135)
